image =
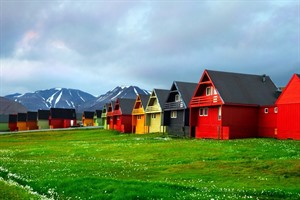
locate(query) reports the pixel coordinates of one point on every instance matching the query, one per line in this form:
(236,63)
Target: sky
(96,45)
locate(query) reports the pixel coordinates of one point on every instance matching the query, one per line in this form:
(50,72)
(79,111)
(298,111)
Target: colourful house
(21,121)
(176,110)
(12,122)
(138,114)
(103,116)
(4,124)
(226,105)
(88,118)
(110,115)
(123,115)
(154,110)
(32,120)
(288,103)
(98,118)
(43,119)
(62,118)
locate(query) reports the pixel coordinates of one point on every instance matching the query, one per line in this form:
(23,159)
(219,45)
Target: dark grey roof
(144,99)
(43,114)
(32,116)
(13,118)
(88,114)
(239,88)
(298,75)
(22,117)
(126,106)
(186,91)
(161,96)
(10,107)
(98,113)
(4,118)
(62,113)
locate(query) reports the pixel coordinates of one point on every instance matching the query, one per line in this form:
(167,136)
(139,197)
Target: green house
(154,111)
(4,123)
(103,116)
(98,118)
(43,119)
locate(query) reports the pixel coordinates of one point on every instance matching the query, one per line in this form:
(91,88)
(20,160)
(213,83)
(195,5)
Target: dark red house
(176,110)
(110,115)
(122,115)
(226,105)
(62,118)
(288,103)
(12,122)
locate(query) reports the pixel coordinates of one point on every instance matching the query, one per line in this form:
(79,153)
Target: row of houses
(222,105)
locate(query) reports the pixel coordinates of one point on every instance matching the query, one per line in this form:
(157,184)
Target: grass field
(101,164)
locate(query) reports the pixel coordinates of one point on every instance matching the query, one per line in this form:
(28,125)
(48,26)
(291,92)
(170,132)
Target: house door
(193,132)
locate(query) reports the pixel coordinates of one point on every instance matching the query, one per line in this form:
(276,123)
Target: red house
(288,103)
(122,115)
(12,122)
(62,118)
(226,105)
(110,115)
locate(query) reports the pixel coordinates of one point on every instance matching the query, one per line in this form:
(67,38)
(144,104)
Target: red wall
(124,123)
(32,125)
(61,123)
(241,121)
(13,126)
(110,121)
(207,126)
(288,121)
(267,122)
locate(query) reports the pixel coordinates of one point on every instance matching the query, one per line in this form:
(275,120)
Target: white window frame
(276,110)
(203,112)
(208,91)
(266,110)
(177,98)
(219,113)
(173,114)
(153,116)
(138,117)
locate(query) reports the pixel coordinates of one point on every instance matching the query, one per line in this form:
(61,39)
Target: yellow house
(138,114)
(88,118)
(154,111)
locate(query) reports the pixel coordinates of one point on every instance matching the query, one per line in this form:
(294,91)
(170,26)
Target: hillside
(10,107)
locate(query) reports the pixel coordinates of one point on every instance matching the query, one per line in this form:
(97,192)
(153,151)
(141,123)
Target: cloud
(97,45)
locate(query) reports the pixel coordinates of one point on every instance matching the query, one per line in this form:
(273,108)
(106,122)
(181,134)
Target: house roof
(4,118)
(298,75)
(62,113)
(186,91)
(244,88)
(31,116)
(22,117)
(98,113)
(126,105)
(13,118)
(88,114)
(161,96)
(144,99)
(43,114)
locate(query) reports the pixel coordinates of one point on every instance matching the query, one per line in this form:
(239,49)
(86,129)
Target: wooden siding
(123,123)
(178,126)
(288,121)
(31,125)
(139,124)
(43,124)
(267,122)
(154,125)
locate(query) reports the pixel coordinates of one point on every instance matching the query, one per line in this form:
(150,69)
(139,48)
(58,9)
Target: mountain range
(72,98)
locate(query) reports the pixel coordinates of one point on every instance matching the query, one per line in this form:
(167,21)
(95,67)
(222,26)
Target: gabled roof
(291,93)
(88,114)
(144,99)
(161,96)
(98,113)
(126,105)
(43,114)
(13,118)
(22,117)
(62,113)
(31,116)
(247,89)
(185,90)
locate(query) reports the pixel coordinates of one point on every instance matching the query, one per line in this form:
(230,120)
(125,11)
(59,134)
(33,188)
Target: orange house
(32,123)
(21,121)
(138,114)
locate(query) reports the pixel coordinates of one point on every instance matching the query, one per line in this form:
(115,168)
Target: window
(266,110)
(173,114)
(276,110)
(139,117)
(118,117)
(177,98)
(208,91)
(203,111)
(153,116)
(219,113)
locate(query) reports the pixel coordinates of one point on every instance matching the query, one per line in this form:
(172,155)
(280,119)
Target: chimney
(264,78)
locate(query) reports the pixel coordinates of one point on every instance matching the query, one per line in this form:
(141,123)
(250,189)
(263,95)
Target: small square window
(266,110)
(177,98)
(153,116)
(203,111)
(173,114)
(208,91)
(139,117)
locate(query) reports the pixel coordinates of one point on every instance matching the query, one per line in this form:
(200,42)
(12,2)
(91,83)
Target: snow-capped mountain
(52,98)
(129,92)
(72,98)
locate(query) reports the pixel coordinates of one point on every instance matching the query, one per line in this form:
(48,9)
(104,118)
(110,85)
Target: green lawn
(101,164)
